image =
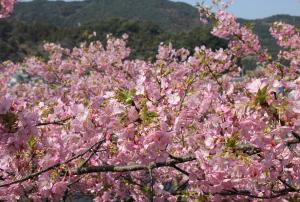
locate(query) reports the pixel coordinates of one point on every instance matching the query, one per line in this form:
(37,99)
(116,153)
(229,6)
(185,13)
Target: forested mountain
(148,22)
(169,15)
(19,39)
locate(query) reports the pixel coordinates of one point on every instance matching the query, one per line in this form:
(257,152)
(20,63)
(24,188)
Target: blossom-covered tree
(6,7)
(182,128)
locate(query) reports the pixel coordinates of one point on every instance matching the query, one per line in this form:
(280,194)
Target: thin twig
(33,175)
(59,122)
(151,193)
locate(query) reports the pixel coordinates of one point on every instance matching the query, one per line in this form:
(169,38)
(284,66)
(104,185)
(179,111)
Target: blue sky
(260,8)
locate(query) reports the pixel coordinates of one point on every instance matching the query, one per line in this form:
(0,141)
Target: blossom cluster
(181,127)
(243,41)
(6,7)
(288,38)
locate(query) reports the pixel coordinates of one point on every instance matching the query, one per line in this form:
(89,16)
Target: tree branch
(33,175)
(235,192)
(136,167)
(296,135)
(59,122)
(294,141)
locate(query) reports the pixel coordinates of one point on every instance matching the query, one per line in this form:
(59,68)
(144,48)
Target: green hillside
(148,22)
(172,16)
(19,39)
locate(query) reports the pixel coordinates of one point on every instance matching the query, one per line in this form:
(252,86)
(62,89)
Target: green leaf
(32,142)
(53,86)
(232,142)
(192,127)
(261,96)
(146,116)
(86,103)
(126,96)
(202,198)
(145,190)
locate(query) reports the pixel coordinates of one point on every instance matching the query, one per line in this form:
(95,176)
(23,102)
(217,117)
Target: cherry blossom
(6,7)
(181,127)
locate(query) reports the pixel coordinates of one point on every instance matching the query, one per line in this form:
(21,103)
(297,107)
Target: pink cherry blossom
(6,7)
(181,127)
(256,85)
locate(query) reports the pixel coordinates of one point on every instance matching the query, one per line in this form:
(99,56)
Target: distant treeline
(148,23)
(20,39)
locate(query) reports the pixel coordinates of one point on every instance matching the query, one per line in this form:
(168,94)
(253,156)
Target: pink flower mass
(6,7)
(181,128)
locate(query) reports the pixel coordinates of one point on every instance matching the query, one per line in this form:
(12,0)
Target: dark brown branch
(248,149)
(294,141)
(181,170)
(33,175)
(128,178)
(187,89)
(296,135)
(290,187)
(66,193)
(59,122)
(8,173)
(91,155)
(235,192)
(136,167)
(181,187)
(215,77)
(152,182)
